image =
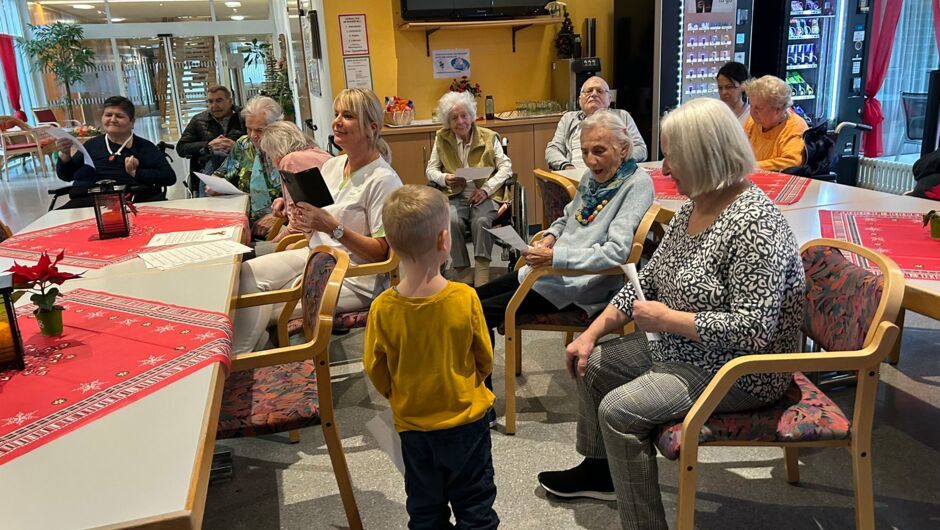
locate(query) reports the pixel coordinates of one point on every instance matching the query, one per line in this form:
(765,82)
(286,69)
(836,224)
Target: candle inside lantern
(112,220)
(7,348)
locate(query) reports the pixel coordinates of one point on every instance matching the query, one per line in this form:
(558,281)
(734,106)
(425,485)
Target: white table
(147,462)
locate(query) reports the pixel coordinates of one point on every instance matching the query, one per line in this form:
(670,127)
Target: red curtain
(884,27)
(936,22)
(8,57)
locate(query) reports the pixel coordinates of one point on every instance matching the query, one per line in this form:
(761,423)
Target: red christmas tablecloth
(79,239)
(782,189)
(114,350)
(900,236)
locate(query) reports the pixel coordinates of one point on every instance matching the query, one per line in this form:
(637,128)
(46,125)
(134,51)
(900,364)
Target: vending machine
(819,47)
(667,52)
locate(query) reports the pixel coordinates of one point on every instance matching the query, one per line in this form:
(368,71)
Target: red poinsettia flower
(40,278)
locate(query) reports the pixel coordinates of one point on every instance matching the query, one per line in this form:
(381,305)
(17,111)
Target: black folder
(308,186)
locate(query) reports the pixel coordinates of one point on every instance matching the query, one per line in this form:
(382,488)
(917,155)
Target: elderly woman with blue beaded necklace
(594,233)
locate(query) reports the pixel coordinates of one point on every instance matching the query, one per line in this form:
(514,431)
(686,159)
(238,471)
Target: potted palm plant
(58,49)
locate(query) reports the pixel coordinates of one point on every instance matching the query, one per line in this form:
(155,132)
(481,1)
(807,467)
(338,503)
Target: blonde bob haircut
(413,217)
(282,138)
(771,89)
(707,146)
(264,106)
(613,124)
(365,106)
(451,101)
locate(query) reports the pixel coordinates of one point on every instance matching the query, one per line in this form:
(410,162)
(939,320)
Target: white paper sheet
(58,133)
(507,234)
(218,184)
(185,255)
(474,173)
(630,270)
(192,236)
(382,428)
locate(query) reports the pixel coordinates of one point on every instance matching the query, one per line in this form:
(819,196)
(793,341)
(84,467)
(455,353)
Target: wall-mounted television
(470,9)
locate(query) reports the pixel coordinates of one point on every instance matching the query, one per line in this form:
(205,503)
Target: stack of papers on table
(187,255)
(192,236)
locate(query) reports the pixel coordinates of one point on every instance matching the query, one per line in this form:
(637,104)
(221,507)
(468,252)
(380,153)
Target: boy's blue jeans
(450,466)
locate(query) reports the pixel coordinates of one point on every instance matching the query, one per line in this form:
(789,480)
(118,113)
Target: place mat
(782,189)
(114,350)
(79,239)
(900,236)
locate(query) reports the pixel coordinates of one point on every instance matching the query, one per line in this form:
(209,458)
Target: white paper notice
(630,270)
(358,72)
(186,255)
(507,234)
(192,236)
(382,428)
(58,133)
(449,64)
(219,185)
(474,173)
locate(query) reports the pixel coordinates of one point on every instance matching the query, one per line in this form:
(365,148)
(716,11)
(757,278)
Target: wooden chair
(556,192)
(277,390)
(46,116)
(24,141)
(849,313)
(568,321)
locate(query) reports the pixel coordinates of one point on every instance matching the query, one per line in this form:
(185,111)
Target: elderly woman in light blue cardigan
(595,232)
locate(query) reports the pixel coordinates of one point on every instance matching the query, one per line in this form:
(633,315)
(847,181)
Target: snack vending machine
(667,52)
(819,48)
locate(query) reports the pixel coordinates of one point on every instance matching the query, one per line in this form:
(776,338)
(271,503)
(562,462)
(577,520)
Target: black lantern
(11,344)
(111,210)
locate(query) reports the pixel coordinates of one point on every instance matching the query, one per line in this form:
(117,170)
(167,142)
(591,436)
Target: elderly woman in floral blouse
(249,169)
(726,281)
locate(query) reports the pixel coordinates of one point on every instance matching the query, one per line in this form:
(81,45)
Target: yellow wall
(401,67)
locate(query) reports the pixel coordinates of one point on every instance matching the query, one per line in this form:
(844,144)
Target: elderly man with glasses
(564,151)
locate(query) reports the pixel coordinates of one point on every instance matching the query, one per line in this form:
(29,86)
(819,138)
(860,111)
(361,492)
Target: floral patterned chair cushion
(554,199)
(269,400)
(803,414)
(283,397)
(841,299)
(356,319)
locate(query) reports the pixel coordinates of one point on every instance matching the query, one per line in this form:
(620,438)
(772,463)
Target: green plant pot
(50,322)
(935,228)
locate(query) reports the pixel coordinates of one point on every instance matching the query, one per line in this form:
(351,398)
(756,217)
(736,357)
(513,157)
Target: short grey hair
(612,123)
(264,106)
(451,101)
(282,138)
(707,146)
(771,89)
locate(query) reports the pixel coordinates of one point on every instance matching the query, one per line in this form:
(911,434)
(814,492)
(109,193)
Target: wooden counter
(411,148)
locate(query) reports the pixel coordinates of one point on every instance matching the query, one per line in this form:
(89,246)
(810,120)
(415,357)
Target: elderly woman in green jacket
(474,204)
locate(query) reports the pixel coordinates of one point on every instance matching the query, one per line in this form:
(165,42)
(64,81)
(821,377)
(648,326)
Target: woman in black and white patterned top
(726,281)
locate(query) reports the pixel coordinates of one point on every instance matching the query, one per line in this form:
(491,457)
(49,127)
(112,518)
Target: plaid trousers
(624,395)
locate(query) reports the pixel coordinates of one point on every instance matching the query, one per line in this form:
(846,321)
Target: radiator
(884,175)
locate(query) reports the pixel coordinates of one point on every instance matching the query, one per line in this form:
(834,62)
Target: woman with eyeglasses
(731,78)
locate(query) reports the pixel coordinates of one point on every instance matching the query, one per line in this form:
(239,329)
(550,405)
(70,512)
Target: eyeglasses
(598,90)
(727,87)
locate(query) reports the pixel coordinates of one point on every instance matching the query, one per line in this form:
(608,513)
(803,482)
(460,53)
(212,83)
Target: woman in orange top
(774,131)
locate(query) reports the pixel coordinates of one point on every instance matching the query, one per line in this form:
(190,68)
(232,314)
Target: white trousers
(273,272)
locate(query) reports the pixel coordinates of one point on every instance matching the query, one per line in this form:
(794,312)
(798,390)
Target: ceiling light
(233,4)
(82,6)
(237,17)
(118,19)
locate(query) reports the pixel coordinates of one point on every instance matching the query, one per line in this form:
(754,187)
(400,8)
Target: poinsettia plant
(464,85)
(40,279)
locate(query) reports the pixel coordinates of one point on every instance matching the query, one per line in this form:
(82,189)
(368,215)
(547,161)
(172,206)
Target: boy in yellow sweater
(428,351)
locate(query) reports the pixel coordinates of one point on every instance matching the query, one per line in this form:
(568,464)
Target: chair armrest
(390,264)
(288,241)
(286,354)
(47,124)
(270,297)
(879,348)
(275,228)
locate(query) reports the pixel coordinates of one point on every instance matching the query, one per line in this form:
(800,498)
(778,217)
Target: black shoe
(590,478)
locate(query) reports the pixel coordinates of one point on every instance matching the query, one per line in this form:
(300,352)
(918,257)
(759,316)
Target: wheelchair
(68,191)
(831,155)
